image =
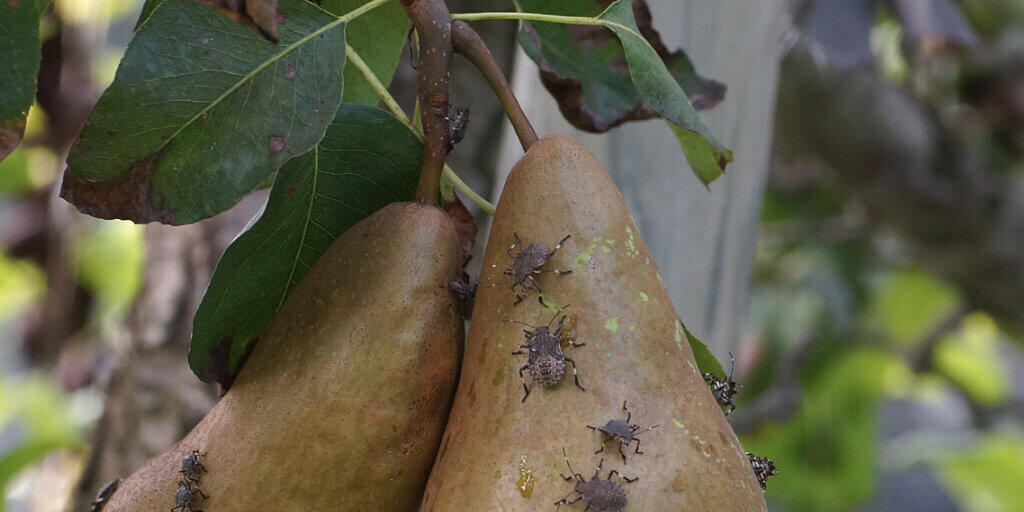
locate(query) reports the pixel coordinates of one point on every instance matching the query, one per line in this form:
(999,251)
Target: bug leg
(514,244)
(519,298)
(628,414)
(638,446)
(526,392)
(559,246)
(624,477)
(601,449)
(525,366)
(564,501)
(620,452)
(575,375)
(598,470)
(732,407)
(201,493)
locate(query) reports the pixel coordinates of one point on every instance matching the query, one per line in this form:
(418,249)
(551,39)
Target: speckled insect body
(526,263)
(191,465)
(723,389)
(545,360)
(623,431)
(184,496)
(465,292)
(601,494)
(764,468)
(104,495)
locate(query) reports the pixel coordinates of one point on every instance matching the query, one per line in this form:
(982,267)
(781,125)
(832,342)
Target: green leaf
(586,70)
(203,110)
(377,36)
(660,90)
(987,475)
(366,160)
(19,45)
(706,361)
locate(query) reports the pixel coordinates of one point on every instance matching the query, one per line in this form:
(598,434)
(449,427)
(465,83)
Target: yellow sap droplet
(526,479)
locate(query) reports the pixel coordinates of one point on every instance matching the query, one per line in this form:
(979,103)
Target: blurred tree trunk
(152,397)
(703,241)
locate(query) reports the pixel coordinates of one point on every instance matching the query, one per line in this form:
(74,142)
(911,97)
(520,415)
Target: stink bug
(601,494)
(764,468)
(527,262)
(723,390)
(545,359)
(622,430)
(191,464)
(184,495)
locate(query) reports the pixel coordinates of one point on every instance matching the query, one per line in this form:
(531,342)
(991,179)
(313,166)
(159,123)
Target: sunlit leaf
(988,476)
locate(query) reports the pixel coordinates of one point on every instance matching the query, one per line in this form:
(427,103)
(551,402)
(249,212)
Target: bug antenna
(566,457)
(646,429)
(563,308)
(733,365)
(521,323)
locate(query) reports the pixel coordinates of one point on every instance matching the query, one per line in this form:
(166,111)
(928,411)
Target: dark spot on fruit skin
(291,72)
(275,143)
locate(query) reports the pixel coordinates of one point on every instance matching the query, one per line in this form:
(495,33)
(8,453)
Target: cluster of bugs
(546,364)
(545,360)
(102,497)
(622,431)
(764,468)
(188,485)
(723,389)
(600,494)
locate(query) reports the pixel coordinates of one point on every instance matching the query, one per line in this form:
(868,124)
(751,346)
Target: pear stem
(468,44)
(433,25)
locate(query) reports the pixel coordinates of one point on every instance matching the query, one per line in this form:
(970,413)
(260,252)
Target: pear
(502,453)
(342,402)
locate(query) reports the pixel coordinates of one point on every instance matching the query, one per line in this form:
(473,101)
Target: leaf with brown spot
(202,111)
(603,76)
(19,46)
(366,160)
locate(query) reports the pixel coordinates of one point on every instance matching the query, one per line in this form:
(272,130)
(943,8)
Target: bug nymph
(184,495)
(601,494)
(191,464)
(465,292)
(623,431)
(723,390)
(764,468)
(545,360)
(104,495)
(527,262)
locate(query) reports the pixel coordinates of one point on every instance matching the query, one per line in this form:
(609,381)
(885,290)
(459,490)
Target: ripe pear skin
(499,453)
(342,403)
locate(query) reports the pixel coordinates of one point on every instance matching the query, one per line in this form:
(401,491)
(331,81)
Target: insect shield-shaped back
(601,494)
(526,264)
(623,431)
(545,360)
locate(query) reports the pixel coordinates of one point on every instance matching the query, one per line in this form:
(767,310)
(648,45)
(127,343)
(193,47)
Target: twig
(468,44)
(433,26)
(396,110)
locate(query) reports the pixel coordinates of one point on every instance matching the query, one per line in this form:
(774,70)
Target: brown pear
(342,402)
(502,453)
